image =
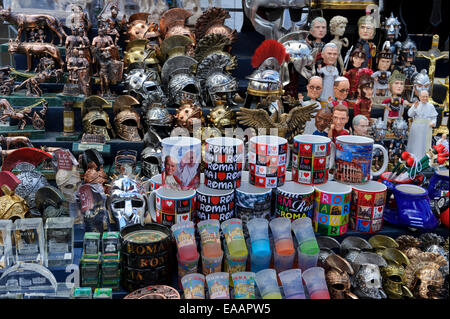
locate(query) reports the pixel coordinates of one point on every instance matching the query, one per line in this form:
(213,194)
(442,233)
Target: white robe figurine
(424,119)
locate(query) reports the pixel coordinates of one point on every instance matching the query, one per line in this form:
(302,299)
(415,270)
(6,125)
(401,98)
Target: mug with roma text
(168,207)
(310,159)
(331,208)
(214,204)
(295,201)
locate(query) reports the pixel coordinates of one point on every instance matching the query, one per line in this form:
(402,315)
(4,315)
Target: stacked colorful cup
(224,158)
(214,204)
(268,160)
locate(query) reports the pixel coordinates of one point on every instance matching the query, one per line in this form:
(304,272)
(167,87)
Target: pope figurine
(341,88)
(328,71)
(424,119)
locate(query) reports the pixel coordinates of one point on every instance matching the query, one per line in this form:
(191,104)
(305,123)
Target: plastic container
(314,279)
(292,284)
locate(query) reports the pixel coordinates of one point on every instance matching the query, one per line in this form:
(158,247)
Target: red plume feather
(268,48)
(365,72)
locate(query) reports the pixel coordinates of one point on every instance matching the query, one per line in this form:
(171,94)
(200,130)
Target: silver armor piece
(158,115)
(275,18)
(326,245)
(352,246)
(302,55)
(177,78)
(146,84)
(367,280)
(31,182)
(400,128)
(421,81)
(127,201)
(151,155)
(379,128)
(392,27)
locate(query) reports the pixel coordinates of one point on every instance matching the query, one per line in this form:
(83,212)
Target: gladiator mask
(275,18)
(338,271)
(127,201)
(68,182)
(301,54)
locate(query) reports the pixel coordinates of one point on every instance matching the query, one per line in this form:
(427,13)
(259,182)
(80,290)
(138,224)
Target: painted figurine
(405,64)
(366,31)
(357,57)
(424,119)
(360,125)
(337,28)
(381,76)
(341,88)
(394,105)
(363,104)
(314,89)
(323,121)
(328,71)
(317,32)
(392,28)
(421,82)
(339,119)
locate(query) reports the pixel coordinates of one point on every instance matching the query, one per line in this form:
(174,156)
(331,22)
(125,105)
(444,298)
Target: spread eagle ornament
(288,124)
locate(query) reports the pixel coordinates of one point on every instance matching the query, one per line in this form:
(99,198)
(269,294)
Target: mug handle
(332,155)
(385,160)
(152,205)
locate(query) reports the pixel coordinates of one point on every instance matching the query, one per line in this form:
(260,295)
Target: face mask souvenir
(177,72)
(367,281)
(127,121)
(275,18)
(338,271)
(213,70)
(68,182)
(95,119)
(127,200)
(423,277)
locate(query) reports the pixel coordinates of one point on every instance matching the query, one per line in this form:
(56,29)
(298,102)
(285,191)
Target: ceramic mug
(310,159)
(168,207)
(267,161)
(155,182)
(181,158)
(352,160)
(331,208)
(295,201)
(367,207)
(214,204)
(224,157)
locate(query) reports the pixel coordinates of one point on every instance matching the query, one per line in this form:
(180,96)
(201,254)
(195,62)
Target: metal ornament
(145,84)
(352,246)
(187,113)
(31,182)
(212,21)
(338,271)
(12,206)
(95,119)
(127,200)
(151,155)
(273,24)
(367,281)
(50,202)
(326,246)
(222,117)
(301,54)
(394,279)
(127,121)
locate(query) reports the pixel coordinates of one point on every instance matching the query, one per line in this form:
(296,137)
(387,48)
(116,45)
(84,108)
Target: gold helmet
(95,119)
(12,206)
(127,121)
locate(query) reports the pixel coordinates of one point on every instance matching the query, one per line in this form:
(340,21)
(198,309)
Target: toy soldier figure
(78,67)
(73,41)
(101,43)
(104,59)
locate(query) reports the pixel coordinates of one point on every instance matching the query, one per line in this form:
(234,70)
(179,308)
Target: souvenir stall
(149,149)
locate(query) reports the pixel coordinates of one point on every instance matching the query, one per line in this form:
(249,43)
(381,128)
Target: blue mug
(438,184)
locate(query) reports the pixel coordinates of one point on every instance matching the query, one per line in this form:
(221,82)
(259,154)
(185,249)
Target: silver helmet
(302,55)
(400,128)
(127,200)
(275,18)
(367,280)
(179,81)
(392,27)
(146,84)
(31,182)
(421,82)
(151,155)
(158,115)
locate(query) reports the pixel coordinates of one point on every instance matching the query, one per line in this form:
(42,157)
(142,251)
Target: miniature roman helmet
(400,128)
(301,54)
(138,26)
(144,84)
(423,277)
(367,281)
(157,115)
(392,27)
(408,51)
(275,18)
(212,21)
(12,206)
(127,200)
(338,271)
(266,80)
(95,119)
(136,51)
(173,22)
(327,245)
(421,82)
(187,113)
(177,71)
(151,154)
(352,246)
(213,70)
(127,121)
(50,202)
(394,279)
